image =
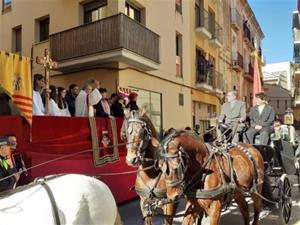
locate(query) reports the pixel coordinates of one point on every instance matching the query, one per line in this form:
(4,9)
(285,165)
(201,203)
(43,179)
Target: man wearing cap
(6,167)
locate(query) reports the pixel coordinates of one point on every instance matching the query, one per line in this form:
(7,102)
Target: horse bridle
(145,137)
(181,166)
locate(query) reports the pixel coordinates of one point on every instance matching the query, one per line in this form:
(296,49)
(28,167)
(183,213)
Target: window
(133,12)
(17,40)
(43,29)
(181,99)
(277,104)
(211,22)
(152,103)
(178,5)
(286,104)
(178,55)
(94,11)
(6,4)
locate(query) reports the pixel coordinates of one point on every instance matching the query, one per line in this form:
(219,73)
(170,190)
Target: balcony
(202,23)
(219,83)
(236,19)
(113,39)
(210,81)
(247,34)
(217,32)
(249,72)
(237,62)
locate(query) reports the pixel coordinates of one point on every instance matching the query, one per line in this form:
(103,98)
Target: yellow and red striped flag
(15,79)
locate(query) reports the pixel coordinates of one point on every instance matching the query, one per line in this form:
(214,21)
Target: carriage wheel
(285,199)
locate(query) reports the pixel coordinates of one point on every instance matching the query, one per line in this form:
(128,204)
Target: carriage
(276,159)
(280,162)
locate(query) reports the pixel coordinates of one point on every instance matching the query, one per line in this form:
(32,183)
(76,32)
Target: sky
(275,19)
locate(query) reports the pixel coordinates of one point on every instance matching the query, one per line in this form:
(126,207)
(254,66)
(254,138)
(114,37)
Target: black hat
(3,141)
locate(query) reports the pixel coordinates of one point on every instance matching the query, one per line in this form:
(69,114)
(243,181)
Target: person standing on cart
(262,117)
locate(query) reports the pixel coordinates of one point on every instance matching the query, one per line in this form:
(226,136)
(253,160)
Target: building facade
(279,98)
(181,55)
(281,74)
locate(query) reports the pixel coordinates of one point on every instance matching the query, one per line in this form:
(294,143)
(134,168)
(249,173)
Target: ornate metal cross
(48,64)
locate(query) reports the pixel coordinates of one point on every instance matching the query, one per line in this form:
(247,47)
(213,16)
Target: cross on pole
(48,65)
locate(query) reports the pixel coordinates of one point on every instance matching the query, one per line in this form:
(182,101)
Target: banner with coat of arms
(15,79)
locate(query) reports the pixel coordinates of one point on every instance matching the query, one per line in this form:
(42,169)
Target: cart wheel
(285,199)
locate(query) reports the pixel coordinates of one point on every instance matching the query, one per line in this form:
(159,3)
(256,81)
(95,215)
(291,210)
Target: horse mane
(147,120)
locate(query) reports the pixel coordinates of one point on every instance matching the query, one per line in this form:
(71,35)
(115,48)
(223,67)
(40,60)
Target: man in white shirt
(261,120)
(38,108)
(87,98)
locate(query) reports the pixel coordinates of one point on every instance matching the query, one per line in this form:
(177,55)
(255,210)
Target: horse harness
(226,188)
(42,181)
(154,196)
(145,137)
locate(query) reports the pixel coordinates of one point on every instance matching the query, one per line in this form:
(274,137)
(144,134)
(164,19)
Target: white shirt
(261,108)
(65,112)
(38,108)
(53,108)
(81,107)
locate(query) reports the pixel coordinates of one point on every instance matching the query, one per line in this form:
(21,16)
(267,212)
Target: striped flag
(15,79)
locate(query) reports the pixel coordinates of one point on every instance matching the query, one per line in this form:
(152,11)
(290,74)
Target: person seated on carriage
(6,167)
(233,114)
(262,117)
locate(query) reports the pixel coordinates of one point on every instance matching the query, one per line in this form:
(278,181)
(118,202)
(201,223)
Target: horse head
(176,152)
(141,135)
(174,162)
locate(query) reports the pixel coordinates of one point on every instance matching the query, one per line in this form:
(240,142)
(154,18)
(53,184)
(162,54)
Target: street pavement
(131,213)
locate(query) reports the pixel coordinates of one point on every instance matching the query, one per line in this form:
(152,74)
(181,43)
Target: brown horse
(207,180)
(142,147)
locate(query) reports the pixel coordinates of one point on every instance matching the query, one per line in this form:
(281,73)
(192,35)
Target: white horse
(79,200)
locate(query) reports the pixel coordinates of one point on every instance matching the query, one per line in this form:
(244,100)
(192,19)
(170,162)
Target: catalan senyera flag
(15,79)
(257,85)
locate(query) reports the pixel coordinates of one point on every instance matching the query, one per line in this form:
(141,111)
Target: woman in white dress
(62,104)
(53,107)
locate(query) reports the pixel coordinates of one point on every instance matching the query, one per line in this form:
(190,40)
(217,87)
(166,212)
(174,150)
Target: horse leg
(215,212)
(147,218)
(169,212)
(190,213)
(257,203)
(243,205)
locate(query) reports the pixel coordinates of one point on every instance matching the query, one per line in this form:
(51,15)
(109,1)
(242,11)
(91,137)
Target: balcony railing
(204,77)
(236,19)
(237,61)
(210,79)
(202,22)
(216,32)
(111,33)
(218,81)
(247,32)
